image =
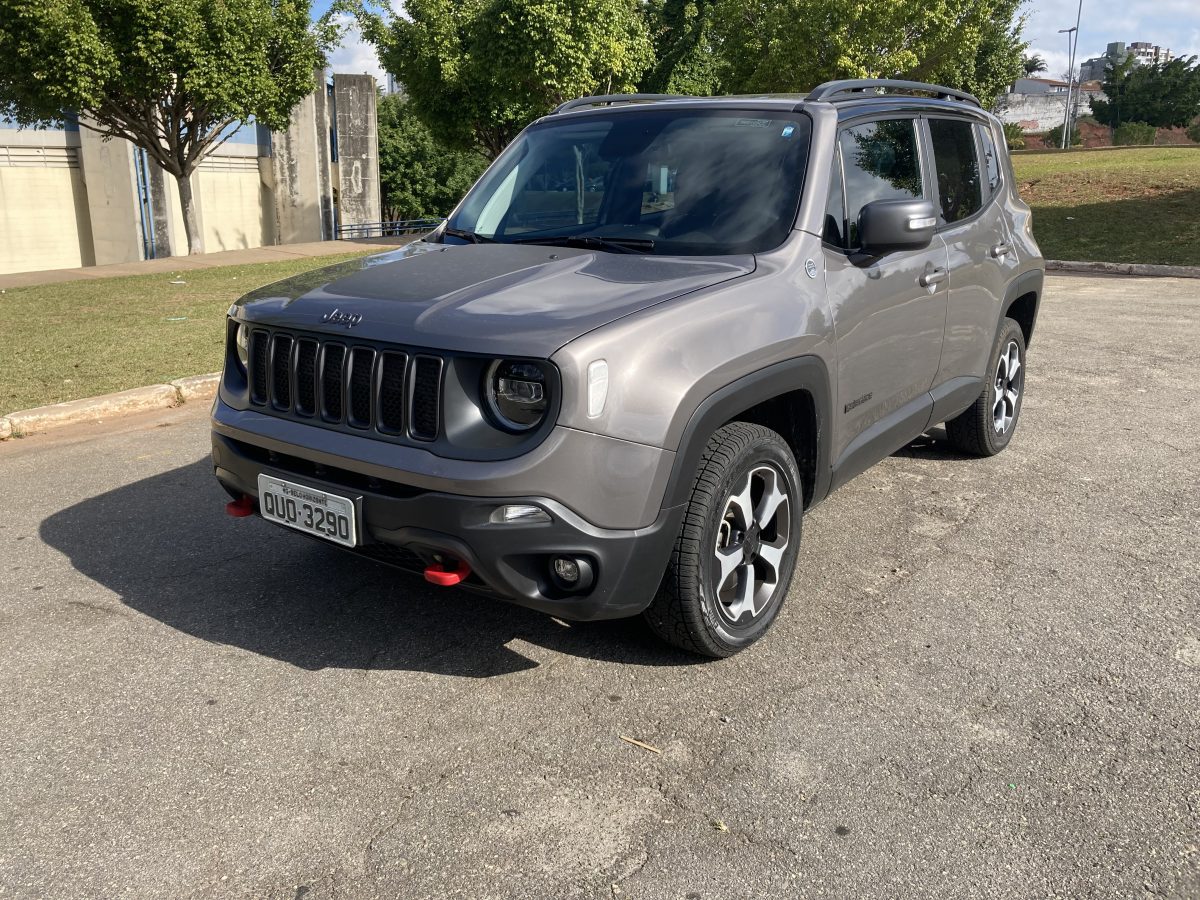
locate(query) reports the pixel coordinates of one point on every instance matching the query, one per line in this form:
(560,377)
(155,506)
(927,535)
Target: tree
(418,177)
(478,71)
(791,45)
(686,56)
(1031,65)
(174,77)
(1163,95)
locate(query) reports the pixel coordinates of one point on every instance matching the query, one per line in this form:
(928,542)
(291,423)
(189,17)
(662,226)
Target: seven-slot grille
(391,392)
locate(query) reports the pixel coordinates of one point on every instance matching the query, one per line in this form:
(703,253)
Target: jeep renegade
(654,334)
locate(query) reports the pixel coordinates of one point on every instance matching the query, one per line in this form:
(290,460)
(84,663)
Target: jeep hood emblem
(337,317)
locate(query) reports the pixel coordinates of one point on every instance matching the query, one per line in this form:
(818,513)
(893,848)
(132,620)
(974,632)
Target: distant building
(1117,52)
(1039,86)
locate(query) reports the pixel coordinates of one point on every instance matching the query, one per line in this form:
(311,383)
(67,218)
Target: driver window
(879,162)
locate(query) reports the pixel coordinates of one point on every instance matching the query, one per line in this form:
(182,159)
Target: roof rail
(857,87)
(609,99)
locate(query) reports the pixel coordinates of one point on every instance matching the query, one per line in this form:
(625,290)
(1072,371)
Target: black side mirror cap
(885,226)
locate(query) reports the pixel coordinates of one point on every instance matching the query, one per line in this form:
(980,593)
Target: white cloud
(355,56)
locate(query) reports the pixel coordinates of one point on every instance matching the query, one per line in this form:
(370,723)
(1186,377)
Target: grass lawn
(1136,205)
(83,338)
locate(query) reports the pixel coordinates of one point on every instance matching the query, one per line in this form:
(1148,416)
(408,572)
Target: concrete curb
(1107,268)
(95,409)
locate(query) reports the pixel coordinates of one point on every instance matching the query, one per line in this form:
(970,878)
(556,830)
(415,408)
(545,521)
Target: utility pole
(1072,42)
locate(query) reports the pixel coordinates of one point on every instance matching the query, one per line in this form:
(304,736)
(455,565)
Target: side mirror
(885,226)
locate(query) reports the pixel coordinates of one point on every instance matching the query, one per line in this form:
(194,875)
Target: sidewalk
(206,261)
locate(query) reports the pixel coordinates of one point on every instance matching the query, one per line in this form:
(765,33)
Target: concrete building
(1117,52)
(69,198)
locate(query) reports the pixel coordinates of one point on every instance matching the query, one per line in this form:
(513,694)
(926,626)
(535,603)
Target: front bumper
(408,526)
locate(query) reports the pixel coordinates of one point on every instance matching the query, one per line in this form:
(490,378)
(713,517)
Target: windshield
(657,181)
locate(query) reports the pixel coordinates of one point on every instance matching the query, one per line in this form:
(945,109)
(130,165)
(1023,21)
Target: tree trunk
(191,221)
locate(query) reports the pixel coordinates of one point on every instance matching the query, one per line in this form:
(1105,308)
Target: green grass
(83,338)
(1136,205)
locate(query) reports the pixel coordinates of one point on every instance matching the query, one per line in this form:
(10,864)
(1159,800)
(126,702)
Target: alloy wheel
(752,539)
(1006,390)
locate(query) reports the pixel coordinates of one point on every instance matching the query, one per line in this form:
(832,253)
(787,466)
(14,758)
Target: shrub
(1014,136)
(1193,131)
(1132,133)
(1054,137)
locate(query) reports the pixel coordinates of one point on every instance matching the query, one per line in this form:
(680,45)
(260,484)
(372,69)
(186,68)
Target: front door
(889,312)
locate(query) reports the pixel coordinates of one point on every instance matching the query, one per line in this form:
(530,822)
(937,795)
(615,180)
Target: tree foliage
(478,71)
(1164,95)
(418,177)
(174,77)
(791,45)
(1031,65)
(685,51)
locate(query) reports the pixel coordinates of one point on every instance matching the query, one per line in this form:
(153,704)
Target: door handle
(932,277)
(1001,250)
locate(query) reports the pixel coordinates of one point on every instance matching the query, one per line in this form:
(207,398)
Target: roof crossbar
(609,99)
(851,88)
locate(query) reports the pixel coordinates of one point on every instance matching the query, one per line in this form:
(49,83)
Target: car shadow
(933,444)
(166,547)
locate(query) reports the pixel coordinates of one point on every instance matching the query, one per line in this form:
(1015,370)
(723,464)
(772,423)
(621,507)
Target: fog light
(519,513)
(566,569)
(572,574)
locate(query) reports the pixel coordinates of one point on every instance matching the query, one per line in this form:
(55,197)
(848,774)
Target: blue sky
(1169,23)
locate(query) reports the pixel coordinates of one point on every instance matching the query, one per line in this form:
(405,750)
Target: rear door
(982,261)
(890,311)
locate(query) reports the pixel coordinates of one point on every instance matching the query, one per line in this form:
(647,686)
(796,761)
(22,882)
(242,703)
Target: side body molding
(805,373)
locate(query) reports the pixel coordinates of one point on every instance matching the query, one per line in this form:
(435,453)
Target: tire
(708,603)
(989,423)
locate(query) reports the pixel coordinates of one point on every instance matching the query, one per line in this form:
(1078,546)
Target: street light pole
(1072,44)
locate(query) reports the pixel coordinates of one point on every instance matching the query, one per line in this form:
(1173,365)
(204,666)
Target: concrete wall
(44,222)
(69,198)
(357,149)
(1038,113)
(112,194)
(300,163)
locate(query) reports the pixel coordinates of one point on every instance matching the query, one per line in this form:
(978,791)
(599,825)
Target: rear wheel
(733,560)
(988,424)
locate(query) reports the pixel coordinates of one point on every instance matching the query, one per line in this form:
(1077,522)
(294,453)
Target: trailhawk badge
(337,317)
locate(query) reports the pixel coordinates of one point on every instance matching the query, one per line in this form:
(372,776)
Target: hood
(500,299)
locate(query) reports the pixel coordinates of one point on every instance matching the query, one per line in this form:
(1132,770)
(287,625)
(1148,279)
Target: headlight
(516,394)
(243,346)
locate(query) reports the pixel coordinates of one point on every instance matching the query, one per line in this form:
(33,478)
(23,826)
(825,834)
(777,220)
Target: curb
(1107,268)
(95,409)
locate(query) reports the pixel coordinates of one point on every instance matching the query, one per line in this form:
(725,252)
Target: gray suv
(654,334)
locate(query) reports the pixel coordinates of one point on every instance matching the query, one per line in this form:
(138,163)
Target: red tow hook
(439,574)
(242,507)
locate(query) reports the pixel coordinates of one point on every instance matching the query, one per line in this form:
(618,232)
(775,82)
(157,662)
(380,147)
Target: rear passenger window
(879,162)
(956,163)
(991,161)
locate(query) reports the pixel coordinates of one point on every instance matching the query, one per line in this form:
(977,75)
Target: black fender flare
(1030,282)
(805,373)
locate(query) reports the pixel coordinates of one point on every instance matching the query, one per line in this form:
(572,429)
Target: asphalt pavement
(985,681)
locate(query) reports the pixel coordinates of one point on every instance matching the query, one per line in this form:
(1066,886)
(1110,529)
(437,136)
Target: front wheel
(733,560)
(988,424)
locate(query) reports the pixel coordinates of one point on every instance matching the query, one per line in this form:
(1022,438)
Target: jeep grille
(346,385)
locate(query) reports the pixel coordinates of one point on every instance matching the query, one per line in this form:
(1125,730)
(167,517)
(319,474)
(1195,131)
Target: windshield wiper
(594,242)
(467,236)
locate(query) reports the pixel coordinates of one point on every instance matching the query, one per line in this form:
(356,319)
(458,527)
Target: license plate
(307,509)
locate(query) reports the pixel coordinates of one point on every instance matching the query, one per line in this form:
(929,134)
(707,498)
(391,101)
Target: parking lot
(984,682)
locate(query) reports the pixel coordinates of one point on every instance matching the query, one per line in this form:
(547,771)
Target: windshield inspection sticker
(787,132)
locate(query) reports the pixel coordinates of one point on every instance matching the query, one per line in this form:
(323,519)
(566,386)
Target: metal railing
(386,229)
